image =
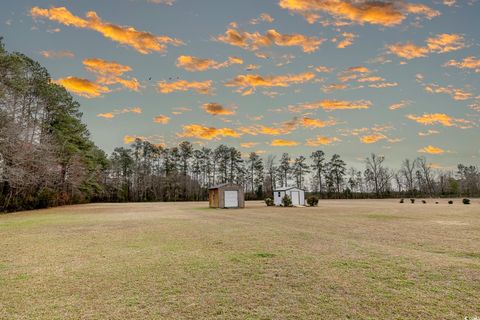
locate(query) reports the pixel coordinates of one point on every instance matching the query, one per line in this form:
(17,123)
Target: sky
(396,78)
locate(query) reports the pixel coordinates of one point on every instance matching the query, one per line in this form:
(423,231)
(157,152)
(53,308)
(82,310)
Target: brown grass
(356,259)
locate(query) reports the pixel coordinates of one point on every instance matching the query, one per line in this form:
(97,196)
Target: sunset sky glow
(398,78)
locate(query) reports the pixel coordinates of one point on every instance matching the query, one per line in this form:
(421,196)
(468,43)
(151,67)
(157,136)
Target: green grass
(341,260)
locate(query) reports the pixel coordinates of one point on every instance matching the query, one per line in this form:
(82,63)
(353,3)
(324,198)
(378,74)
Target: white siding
(231,199)
(278,195)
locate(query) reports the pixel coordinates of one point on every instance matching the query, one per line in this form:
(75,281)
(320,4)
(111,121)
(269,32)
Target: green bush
(269,202)
(312,201)
(286,201)
(466,201)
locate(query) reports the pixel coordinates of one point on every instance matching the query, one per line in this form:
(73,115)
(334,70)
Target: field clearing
(346,259)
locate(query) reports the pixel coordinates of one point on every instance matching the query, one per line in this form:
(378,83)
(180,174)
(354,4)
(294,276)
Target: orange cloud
(142,41)
(201,87)
(217,109)
(321,141)
(347,40)
(192,64)
(248,144)
(370,79)
(439,118)
(439,44)
(431,150)
(264,17)
(359,69)
(283,143)
(83,87)
(360,12)
(371,134)
(57,54)
(467,63)
(104,67)
(247,83)
(254,41)
(373,138)
(330,105)
(333,87)
(109,72)
(207,133)
(445,43)
(455,93)
(108,115)
(127,139)
(355,73)
(285,127)
(114,113)
(317,123)
(399,105)
(449,3)
(161,119)
(383,85)
(323,69)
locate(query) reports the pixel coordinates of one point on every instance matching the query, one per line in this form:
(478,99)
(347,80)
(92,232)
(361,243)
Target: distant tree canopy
(48,159)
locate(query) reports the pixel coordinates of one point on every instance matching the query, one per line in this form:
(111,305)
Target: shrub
(423,201)
(401,200)
(286,201)
(436,202)
(450,202)
(312,201)
(466,201)
(412,200)
(269,202)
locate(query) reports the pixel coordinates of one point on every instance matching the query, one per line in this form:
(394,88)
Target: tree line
(48,159)
(147,172)
(46,155)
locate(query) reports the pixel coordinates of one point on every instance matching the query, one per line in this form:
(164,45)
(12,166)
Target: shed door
(231,199)
(295,198)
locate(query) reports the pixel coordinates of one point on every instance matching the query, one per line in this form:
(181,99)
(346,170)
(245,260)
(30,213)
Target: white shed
(296,194)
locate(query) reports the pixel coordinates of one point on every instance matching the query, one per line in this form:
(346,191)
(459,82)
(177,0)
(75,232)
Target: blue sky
(348,77)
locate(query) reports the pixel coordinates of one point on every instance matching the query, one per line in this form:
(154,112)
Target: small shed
(296,194)
(226,195)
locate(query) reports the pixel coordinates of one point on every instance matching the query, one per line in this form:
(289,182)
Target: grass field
(355,259)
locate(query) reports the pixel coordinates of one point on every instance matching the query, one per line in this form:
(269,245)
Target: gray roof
(286,188)
(221,185)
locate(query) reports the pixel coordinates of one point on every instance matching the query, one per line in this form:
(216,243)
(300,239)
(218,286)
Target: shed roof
(286,188)
(221,185)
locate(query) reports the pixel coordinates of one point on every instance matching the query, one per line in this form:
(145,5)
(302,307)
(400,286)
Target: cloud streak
(331,105)
(114,113)
(141,41)
(431,150)
(383,13)
(255,41)
(207,133)
(284,143)
(201,87)
(440,119)
(193,64)
(441,43)
(246,83)
(83,87)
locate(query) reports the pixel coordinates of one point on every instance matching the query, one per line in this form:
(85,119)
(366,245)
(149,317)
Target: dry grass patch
(342,259)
